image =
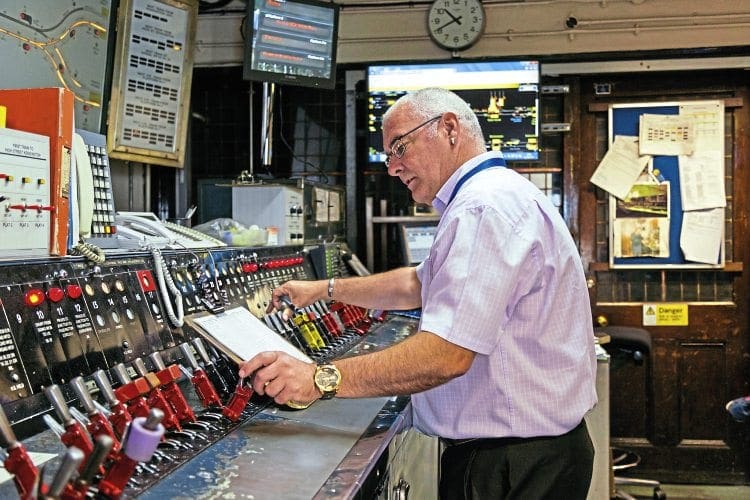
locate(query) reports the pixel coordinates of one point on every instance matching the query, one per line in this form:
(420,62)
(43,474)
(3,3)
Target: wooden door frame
(580,160)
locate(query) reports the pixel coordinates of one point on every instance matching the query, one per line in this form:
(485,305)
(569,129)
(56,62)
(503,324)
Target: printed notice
(665,314)
(152,90)
(702,234)
(666,135)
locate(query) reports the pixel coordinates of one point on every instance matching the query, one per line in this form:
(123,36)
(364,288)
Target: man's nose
(395,167)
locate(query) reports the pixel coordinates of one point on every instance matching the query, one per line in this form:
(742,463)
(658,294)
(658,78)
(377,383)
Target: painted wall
(373,31)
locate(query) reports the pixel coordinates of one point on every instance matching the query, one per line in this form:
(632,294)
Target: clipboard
(241,336)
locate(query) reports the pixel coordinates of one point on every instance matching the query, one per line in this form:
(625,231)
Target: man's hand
(299,293)
(281,377)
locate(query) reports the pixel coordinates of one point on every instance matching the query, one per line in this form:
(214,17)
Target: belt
(495,442)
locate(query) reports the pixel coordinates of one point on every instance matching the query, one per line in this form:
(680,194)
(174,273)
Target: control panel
(25,205)
(89,350)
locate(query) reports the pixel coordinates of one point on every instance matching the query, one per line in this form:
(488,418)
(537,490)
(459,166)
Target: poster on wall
(151,90)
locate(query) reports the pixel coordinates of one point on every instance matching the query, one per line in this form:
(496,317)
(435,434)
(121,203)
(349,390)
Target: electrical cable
(90,251)
(167,286)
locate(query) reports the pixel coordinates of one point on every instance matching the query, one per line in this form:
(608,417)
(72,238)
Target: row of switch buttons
(253,267)
(36,296)
(24,180)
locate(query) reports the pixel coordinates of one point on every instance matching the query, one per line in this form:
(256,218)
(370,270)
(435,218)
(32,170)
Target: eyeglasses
(398,146)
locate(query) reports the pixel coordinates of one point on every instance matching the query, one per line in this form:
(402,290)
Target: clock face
(455,24)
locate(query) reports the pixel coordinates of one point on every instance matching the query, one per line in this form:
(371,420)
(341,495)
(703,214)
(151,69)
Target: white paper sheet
(701,235)
(320,201)
(334,206)
(708,120)
(702,181)
(620,167)
(245,335)
(666,135)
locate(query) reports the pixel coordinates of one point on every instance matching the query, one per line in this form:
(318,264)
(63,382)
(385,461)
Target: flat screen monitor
(291,42)
(416,240)
(503,94)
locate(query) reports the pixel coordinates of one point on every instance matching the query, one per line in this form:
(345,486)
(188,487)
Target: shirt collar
(440,203)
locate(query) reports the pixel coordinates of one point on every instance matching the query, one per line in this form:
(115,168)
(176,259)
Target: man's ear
(450,124)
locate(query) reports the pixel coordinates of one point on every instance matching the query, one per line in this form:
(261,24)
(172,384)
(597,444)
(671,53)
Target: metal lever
(54,394)
(102,447)
(143,437)
(189,356)
(105,386)
(131,391)
(119,417)
(75,435)
(155,358)
(140,367)
(84,397)
(70,462)
(98,424)
(121,373)
(18,462)
(212,371)
(202,384)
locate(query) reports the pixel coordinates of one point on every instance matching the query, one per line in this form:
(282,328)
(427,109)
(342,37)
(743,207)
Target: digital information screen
(503,94)
(292,41)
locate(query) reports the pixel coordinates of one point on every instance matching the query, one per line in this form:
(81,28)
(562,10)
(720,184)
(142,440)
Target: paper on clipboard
(241,336)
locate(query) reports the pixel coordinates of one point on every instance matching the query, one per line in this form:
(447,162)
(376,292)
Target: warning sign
(665,314)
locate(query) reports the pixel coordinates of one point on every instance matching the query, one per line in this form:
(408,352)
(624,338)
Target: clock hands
(454,19)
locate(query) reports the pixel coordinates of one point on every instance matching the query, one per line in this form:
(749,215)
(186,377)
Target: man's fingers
(259,361)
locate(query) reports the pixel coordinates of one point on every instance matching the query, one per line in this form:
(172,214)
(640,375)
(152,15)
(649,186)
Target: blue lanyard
(488,163)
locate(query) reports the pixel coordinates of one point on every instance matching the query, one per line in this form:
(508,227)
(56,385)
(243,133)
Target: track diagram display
(58,44)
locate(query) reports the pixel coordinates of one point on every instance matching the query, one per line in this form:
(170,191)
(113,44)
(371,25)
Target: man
(503,365)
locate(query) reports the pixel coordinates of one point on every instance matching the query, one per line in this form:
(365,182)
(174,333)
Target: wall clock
(455,24)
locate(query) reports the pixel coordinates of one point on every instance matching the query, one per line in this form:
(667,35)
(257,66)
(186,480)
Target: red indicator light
(55,294)
(73,291)
(34,297)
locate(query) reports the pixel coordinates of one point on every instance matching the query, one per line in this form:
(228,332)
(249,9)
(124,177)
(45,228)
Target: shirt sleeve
(479,268)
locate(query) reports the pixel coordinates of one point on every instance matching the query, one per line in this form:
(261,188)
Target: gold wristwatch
(327,379)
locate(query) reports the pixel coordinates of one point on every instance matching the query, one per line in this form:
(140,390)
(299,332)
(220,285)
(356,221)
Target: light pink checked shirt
(504,279)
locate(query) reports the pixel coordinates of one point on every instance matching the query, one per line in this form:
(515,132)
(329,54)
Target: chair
(628,347)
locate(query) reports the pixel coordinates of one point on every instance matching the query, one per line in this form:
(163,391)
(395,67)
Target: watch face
(327,378)
(455,24)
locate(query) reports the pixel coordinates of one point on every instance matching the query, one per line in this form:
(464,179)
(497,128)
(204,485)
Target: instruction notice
(665,314)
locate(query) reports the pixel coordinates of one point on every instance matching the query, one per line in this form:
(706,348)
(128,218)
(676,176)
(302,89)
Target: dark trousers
(557,467)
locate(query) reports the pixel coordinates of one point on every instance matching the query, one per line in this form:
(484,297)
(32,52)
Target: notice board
(624,120)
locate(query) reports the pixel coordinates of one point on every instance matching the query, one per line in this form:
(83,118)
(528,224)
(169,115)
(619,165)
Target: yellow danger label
(665,314)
